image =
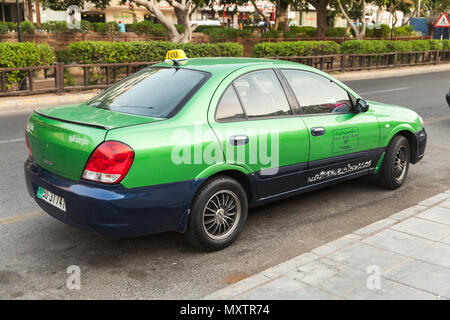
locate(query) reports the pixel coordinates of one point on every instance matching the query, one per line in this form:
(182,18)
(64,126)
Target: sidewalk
(28,103)
(405,256)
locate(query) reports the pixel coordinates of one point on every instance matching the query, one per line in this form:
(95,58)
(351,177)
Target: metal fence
(60,78)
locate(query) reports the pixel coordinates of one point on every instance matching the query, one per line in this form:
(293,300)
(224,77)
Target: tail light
(109,163)
(27,142)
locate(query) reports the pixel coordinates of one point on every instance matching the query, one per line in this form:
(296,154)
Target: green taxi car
(191,146)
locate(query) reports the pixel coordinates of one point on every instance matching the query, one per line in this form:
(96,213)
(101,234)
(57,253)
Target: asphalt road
(35,249)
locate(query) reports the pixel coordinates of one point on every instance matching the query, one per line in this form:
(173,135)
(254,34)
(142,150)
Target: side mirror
(362,105)
(448,98)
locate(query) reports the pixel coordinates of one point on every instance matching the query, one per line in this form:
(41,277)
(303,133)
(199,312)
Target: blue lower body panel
(115,211)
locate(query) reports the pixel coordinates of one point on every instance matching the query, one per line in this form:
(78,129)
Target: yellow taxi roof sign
(175,55)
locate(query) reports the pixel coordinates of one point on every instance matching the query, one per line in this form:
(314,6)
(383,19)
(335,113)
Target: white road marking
(12,140)
(386,90)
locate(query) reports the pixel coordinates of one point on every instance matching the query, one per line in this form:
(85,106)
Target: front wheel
(395,164)
(218,214)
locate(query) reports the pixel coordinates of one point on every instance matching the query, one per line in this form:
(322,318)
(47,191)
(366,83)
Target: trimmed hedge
(307,48)
(153,29)
(295,48)
(140,51)
(383,46)
(25,54)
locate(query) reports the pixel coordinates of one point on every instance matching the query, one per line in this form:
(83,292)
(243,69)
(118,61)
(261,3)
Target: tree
(183,10)
(354,11)
(393,6)
(321,10)
(432,9)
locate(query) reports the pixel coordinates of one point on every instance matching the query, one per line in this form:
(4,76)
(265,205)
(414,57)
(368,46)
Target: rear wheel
(395,164)
(218,214)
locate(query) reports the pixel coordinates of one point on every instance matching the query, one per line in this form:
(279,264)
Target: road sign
(443,21)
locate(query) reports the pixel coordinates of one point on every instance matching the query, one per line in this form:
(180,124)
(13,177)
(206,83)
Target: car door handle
(318,131)
(238,140)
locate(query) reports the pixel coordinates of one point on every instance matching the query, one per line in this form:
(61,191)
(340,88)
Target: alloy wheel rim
(221,214)
(400,164)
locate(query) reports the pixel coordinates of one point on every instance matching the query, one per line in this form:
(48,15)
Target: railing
(352,62)
(60,78)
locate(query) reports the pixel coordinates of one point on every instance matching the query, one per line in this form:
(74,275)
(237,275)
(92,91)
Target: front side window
(262,95)
(153,92)
(317,94)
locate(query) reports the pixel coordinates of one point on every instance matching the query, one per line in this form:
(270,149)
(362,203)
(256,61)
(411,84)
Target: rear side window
(229,107)
(317,94)
(262,95)
(153,92)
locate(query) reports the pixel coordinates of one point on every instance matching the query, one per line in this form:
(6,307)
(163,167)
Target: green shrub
(206,29)
(140,51)
(295,48)
(12,26)
(106,27)
(381,31)
(64,56)
(404,31)
(24,54)
(55,26)
(383,46)
(435,44)
(445,44)
(27,27)
(308,31)
(270,34)
(3,28)
(338,32)
(228,33)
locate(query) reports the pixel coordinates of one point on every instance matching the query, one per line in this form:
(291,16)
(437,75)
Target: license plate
(51,198)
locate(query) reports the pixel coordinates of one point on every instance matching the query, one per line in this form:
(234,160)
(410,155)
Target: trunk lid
(62,139)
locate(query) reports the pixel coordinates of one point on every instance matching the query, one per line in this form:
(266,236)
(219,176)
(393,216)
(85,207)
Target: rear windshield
(153,92)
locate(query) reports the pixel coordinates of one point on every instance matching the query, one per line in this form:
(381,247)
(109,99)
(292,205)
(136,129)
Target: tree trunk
(321,10)
(281,15)
(153,8)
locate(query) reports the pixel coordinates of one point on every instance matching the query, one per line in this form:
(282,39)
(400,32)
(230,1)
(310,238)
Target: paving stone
(438,214)
(445,240)
(374,227)
(398,242)
(361,256)
(434,200)
(285,289)
(336,244)
(445,204)
(423,228)
(408,212)
(389,290)
(421,275)
(328,275)
(289,265)
(239,287)
(437,253)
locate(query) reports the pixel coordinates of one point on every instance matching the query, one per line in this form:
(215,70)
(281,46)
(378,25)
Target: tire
(395,164)
(218,214)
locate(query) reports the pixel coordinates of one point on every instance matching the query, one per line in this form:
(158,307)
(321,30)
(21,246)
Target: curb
(264,277)
(394,72)
(29,103)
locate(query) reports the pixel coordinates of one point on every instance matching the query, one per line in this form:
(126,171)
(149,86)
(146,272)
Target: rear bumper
(421,140)
(115,211)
